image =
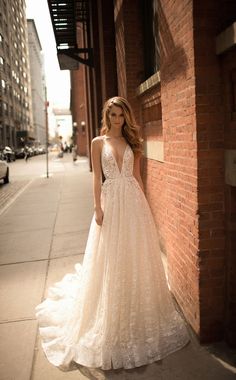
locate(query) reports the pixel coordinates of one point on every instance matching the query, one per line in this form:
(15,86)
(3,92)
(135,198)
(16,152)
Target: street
(44,225)
(22,173)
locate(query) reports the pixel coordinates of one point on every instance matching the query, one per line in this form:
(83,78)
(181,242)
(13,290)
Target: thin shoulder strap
(103,144)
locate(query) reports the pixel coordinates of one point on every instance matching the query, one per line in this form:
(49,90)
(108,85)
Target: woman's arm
(136,170)
(96,147)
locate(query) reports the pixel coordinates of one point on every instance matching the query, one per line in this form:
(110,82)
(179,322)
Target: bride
(116,310)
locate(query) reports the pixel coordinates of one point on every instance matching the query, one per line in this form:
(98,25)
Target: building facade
(175,61)
(37,83)
(15,94)
(78,111)
(63,126)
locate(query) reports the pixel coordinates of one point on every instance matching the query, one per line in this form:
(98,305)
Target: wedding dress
(116,309)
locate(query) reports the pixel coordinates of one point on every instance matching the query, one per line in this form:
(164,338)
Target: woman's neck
(113,135)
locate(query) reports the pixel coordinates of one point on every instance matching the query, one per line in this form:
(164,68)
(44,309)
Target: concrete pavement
(42,235)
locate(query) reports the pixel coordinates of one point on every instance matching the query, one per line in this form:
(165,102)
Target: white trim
(154,150)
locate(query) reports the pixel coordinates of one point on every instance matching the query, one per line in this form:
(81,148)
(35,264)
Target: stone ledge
(226,39)
(151,82)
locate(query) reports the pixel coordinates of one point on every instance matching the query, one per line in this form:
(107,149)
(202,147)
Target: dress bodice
(109,164)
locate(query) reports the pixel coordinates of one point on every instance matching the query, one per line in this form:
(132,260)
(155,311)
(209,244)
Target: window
(151,37)
(3,84)
(5,108)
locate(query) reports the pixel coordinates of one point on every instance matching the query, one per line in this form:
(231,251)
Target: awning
(67,16)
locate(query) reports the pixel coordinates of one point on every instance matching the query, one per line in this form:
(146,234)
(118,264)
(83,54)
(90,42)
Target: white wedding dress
(116,309)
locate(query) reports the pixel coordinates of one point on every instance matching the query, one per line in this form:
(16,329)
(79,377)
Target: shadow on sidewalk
(193,362)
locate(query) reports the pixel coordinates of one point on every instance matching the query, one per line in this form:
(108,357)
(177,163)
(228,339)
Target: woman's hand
(99,216)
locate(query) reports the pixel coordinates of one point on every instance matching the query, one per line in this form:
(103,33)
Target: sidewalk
(42,235)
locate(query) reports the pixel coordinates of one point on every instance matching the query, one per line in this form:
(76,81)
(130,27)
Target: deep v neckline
(113,156)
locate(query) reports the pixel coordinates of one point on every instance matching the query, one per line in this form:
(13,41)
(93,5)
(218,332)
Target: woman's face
(116,117)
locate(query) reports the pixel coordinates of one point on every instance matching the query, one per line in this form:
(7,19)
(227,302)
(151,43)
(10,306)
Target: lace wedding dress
(116,309)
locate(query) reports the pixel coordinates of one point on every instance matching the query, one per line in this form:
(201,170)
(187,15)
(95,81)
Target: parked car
(20,153)
(34,151)
(4,171)
(42,149)
(8,154)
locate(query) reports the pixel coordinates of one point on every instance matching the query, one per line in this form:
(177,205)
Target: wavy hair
(130,129)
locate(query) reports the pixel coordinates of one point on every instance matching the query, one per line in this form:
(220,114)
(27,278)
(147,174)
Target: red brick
(189,111)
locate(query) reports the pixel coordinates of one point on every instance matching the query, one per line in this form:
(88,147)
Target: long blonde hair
(130,129)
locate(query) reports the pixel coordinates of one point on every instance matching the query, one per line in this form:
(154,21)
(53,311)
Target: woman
(116,310)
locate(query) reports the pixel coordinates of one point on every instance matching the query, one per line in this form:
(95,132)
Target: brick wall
(210,172)
(179,217)
(78,109)
(129,50)
(107,51)
(228,85)
(153,170)
(212,197)
(167,114)
(193,208)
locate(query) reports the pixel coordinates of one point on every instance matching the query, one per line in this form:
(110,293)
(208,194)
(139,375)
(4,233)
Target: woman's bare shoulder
(97,142)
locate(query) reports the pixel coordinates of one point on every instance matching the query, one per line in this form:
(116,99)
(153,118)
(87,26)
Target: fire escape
(68,16)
